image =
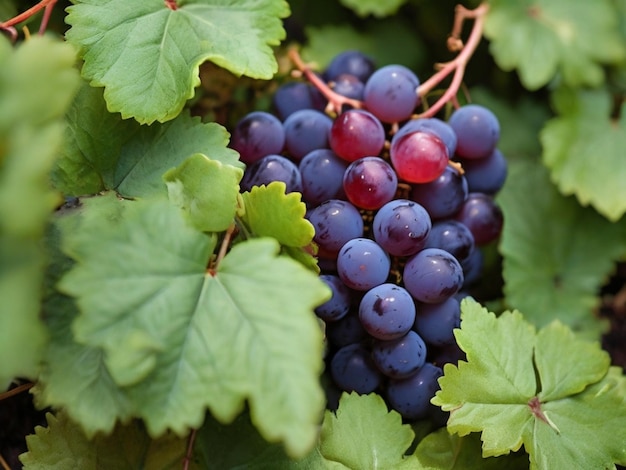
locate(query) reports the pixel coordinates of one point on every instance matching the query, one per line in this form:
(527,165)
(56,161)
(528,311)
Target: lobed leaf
(193,338)
(556,254)
(207,190)
(543,38)
(584,150)
(147,56)
(37,83)
(62,444)
(574,420)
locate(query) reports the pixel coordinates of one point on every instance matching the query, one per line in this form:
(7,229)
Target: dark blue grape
(477,130)
(435,322)
(306,130)
(432,275)
(322,176)
(401,357)
(352,369)
(346,330)
(401,227)
(349,86)
(390,93)
(339,304)
(472,268)
(485,175)
(444,196)
(350,62)
(272,168)
(294,96)
(335,222)
(411,396)
(452,236)
(387,311)
(482,216)
(256,135)
(362,264)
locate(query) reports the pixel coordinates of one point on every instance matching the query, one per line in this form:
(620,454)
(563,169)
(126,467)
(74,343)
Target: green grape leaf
(147,56)
(570,420)
(441,450)
(363,433)
(155,149)
(93,143)
(373,7)
(556,254)
(584,149)
(541,38)
(386,41)
(269,212)
(207,190)
(201,338)
(62,444)
(37,83)
(74,375)
(239,445)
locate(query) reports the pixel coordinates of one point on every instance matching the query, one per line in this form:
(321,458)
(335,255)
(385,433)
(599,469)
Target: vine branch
(9,25)
(335,100)
(15,391)
(459,63)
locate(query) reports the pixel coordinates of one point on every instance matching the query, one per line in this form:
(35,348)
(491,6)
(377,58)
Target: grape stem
(335,100)
(9,25)
(190,443)
(232,228)
(15,391)
(458,64)
(171,4)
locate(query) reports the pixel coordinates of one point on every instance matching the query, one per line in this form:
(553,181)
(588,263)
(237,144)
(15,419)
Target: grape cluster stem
(8,26)
(336,102)
(458,64)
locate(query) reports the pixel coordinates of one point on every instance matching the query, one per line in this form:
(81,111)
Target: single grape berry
(419,157)
(306,130)
(401,357)
(443,196)
(411,396)
(387,311)
(390,93)
(362,264)
(335,223)
(272,168)
(401,227)
(352,369)
(477,130)
(257,135)
(369,183)
(322,176)
(355,134)
(432,275)
(339,304)
(482,216)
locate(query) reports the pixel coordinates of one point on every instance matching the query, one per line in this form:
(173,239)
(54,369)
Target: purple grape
(448,353)
(352,369)
(322,176)
(452,236)
(436,126)
(400,357)
(335,222)
(472,268)
(435,323)
(355,134)
(350,62)
(387,311)
(477,130)
(401,227)
(257,135)
(339,304)
(485,175)
(347,330)
(390,93)
(306,130)
(370,182)
(294,96)
(432,275)
(411,396)
(349,86)
(362,264)
(444,196)
(272,168)
(482,216)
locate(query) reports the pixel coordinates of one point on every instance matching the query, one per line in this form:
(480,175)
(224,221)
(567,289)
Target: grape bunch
(400,204)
